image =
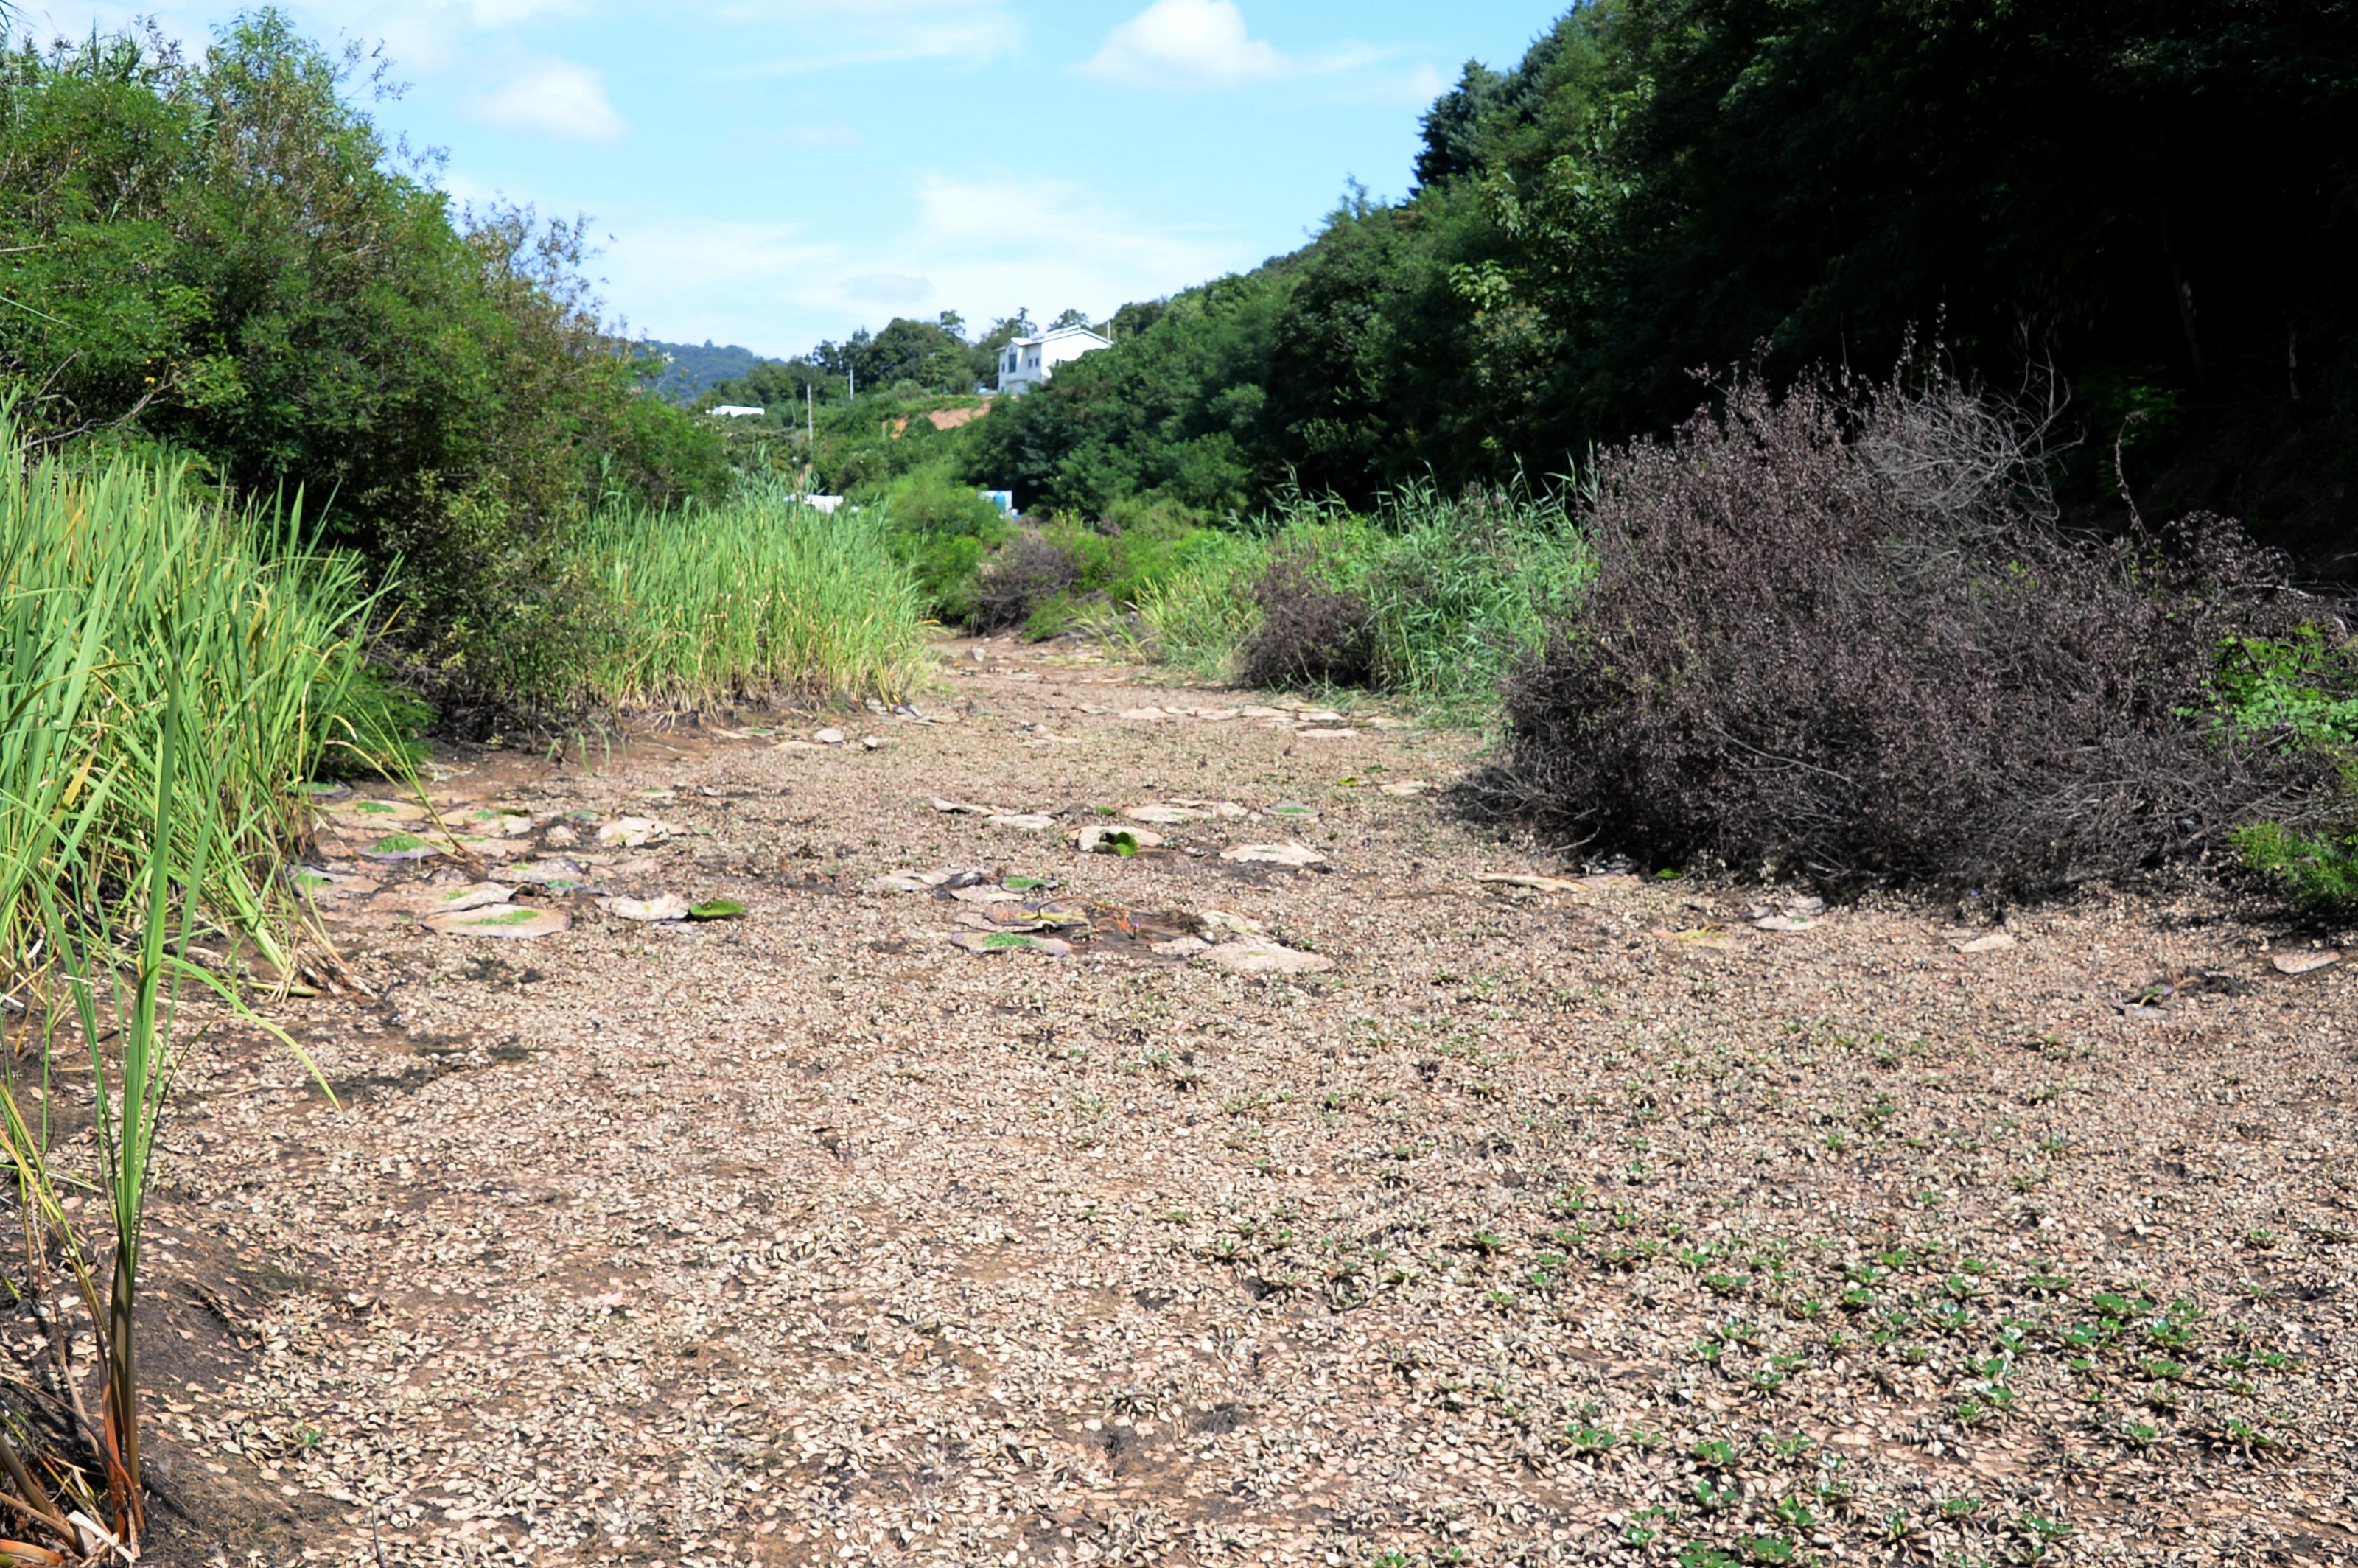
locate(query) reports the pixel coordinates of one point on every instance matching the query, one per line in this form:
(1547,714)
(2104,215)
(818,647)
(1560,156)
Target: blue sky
(771,172)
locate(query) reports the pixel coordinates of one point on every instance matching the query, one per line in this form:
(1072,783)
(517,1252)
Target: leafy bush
(2317,871)
(1827,634)
(1430,597)
(224,254)
(942,530)
(2298,693)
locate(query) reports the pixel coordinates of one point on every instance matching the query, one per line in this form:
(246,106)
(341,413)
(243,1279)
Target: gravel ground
(1580,1221)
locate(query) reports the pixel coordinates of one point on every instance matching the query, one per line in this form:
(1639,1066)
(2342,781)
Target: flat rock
(1286,854)
(1531,880)
(1254,955)
(371,813)
(316,884)
(2303,963)
(1023,821)
(506,920)
(459,899)
(1993,942)
(1098,838)
(397,847)
(556,872)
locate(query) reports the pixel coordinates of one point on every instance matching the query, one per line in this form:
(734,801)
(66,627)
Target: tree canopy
(2152,198)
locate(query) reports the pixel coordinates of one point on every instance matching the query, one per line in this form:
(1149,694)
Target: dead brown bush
(1311,633)
(1838,634)
(1026,574)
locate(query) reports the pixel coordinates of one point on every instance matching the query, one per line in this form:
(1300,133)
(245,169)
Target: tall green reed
(170,672)
(121,579)
(756,598)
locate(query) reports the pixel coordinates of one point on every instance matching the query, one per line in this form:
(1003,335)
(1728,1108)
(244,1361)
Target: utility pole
(851,383)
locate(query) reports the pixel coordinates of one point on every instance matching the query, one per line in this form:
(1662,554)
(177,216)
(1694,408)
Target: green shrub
(2299,694)
(222,252)
(2316,872)
(942,530)
(1451,593)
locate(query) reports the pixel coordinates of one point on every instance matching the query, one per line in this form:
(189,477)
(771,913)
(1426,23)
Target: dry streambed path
(974,1199)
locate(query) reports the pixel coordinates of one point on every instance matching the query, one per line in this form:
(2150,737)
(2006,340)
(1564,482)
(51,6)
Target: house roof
(1060,333)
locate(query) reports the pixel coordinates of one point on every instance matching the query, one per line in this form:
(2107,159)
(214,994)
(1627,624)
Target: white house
(736,411)
(1027,361)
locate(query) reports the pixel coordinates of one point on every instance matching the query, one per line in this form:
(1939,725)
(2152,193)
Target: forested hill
(690,368)
(2156,198)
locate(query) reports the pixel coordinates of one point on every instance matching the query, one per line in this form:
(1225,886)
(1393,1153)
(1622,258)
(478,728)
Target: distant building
(823,504)
(1027,361)
(737,411)
(1002,499)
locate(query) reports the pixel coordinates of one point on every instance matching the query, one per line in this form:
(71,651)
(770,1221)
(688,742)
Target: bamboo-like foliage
(755,598)
(120,579)
(170,673)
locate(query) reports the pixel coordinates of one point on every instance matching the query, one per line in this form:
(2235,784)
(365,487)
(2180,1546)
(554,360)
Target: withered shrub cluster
(1840,633)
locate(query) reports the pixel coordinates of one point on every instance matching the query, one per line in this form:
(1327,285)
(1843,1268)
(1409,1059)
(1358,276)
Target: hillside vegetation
(2151,201)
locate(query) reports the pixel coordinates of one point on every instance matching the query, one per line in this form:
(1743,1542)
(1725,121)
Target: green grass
(1457,589)
(756,599)
(121,578)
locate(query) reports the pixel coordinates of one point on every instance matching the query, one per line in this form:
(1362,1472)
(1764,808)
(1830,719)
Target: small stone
(666,906)
(871,743)
(828,738)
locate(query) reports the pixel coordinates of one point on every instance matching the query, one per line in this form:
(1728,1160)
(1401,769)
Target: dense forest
(2149,202)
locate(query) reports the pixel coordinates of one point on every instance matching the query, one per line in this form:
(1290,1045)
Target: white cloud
(994,244)
(558,97)
(1183,45)
(843,35)
(1187,43)
(982,247)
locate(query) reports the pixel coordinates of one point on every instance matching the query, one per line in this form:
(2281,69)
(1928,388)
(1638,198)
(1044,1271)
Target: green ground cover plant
(2299,694)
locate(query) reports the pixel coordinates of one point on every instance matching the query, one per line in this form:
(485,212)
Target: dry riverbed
(1353,1212)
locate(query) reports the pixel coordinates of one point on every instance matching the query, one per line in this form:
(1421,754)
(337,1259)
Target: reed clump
(759,597)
